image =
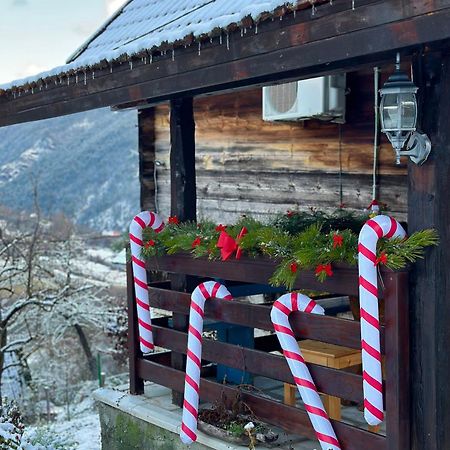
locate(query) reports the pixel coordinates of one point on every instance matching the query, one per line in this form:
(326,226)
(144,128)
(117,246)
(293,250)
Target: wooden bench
(328,355)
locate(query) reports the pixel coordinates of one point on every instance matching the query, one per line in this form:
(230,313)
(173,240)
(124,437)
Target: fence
(164,368)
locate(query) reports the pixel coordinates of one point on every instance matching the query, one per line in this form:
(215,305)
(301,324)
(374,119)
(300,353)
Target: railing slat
(306,326)
(329,381)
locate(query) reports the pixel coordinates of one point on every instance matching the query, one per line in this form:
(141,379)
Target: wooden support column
(183,199)
(146,127)
(428,206)
(134,352)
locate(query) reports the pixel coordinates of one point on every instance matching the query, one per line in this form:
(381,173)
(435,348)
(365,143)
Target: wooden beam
(183,198)
(295,47)
(182,159)
(146,143)
(429,187)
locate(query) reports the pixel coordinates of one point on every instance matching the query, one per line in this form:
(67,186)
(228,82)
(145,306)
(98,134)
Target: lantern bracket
(418,148)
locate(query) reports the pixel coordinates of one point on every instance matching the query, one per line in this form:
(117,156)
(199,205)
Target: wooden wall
(246,165)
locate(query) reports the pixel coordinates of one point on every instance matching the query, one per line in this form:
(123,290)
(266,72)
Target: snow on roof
(142,25)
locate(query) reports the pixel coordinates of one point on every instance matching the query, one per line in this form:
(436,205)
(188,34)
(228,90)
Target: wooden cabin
(194,74)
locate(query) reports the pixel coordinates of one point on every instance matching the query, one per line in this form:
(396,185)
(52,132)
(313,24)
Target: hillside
(86,166)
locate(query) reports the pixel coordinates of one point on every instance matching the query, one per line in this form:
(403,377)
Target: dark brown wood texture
(429,194)
(341,384)
(146,142)
(335,38)
(182,198)
(246,165)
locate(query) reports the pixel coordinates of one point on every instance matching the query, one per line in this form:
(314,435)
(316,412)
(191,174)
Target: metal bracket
(418,148)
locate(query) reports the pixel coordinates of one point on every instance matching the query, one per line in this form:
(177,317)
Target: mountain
(85,166)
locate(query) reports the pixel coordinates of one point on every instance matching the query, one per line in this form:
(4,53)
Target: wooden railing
(258,361)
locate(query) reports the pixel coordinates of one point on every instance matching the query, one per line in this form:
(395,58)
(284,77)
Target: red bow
(382,259)
(324,268)
(228,245)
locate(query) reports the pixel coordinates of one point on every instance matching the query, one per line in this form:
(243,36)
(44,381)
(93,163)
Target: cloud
(111,5)
(19,3)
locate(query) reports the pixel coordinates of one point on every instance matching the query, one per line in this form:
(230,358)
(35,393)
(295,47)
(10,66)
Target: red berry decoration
(196,242)
(221,228)
(338,240)
(294,267)
(150,243)
(174,220)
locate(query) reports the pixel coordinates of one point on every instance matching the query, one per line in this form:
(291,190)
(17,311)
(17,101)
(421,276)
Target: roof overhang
(336,38)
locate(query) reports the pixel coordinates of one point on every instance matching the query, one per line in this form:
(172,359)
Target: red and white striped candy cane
(281,310)
(202,292)
(137,225)
(371,232)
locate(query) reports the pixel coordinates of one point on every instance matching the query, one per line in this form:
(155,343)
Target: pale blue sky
(36,35)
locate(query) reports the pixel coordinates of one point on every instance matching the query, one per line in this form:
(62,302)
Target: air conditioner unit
(317,98)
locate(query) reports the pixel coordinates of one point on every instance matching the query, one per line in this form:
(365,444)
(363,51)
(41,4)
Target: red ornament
(294,267)
(338,240)
(221,228)
(326,268)
(289,213)
(150,243)
(382,259)
(174,220)
(196,242)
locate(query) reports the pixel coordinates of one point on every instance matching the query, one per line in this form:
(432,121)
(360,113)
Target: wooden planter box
(161,368)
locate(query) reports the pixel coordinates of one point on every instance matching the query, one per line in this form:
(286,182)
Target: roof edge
(79,51)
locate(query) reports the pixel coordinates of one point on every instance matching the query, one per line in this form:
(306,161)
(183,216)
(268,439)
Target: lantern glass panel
(408,111)
(390,112)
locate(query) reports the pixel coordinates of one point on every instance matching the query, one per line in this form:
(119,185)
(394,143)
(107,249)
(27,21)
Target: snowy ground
(82,432)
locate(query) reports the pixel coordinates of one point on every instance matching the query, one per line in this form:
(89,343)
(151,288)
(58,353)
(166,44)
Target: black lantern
(398,111)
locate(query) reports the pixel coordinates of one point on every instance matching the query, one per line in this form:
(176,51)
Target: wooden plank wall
(246,165)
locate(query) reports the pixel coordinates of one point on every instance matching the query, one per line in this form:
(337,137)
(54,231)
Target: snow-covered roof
(143,25)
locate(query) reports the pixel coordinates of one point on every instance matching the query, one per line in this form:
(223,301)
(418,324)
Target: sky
(37,35)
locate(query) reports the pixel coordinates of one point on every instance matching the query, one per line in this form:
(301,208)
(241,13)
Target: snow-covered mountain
(85,166)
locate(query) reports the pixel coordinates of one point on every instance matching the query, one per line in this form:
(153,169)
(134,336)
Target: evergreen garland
(297,240)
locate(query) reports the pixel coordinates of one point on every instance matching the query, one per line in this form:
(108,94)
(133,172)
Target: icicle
(93,75)
(331,2)
(220,39)
(151,58)
(131,64)
(145,60)
(14,94)
(32,90)
(111,69)
(353,5)
(313,9)
(199,48)
(245,30)
(85,78)
(173,54)
(210,40)
(295,13)
(281,18)
(242,32)
(76,78)
(68,80)
(256,29)
(228,41)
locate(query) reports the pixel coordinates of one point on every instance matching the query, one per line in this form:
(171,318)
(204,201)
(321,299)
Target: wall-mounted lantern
(398,111)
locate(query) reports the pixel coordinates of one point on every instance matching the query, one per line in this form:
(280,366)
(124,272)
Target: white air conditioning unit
(317,98)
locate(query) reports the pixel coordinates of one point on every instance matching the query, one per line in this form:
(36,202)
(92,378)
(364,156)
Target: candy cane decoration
(281,310)
(371,232)
(137,225)
(201,293)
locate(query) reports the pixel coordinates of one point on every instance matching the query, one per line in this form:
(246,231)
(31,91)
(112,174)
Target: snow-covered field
(80,433)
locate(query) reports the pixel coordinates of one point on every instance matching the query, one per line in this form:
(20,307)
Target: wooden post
(397,360)
(146,130)
(428,206)
(136,383)
(183,198)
